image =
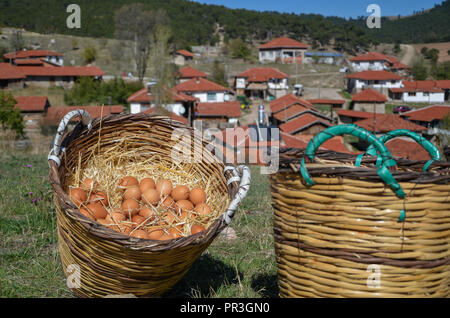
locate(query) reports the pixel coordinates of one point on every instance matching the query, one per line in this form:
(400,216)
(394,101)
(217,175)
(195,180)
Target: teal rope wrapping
(387,160)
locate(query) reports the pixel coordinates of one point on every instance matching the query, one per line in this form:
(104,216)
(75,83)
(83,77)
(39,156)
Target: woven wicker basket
(351,235)
(111,263)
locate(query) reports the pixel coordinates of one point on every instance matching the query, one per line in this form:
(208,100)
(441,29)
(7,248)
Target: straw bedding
(329,236)
(141,146)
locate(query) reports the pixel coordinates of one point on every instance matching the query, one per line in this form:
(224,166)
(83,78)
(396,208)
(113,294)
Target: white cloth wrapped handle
(242,175)
(56,149)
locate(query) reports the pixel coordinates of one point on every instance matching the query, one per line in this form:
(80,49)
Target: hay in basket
(143,146)
(351,235)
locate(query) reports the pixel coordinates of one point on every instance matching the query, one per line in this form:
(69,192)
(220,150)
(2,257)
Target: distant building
(429,117)
(204,90)
(11,77)
(262,82)
(374,61)
(422,91)
(381,81)
(49,56)
(306,124)
(182,57)
(380,124)
(282,50)
(218,115)
(33,109)
(187,73)
(322,57)
(369,100)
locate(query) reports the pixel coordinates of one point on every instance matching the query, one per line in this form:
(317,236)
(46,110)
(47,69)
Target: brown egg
(126,182)
(86,213)
(151,196)
(168,217)
(166,237)
(89,184)
(197,196)
(104,222)
(124,227)
(147,213)
(183,216)
(168,203)
(78,196)
(130,206)
(180,192)
(202,209)
(147,183)
(184,205)
(140,234)
(164,187)
(132,192)
(197,228)
(137,219)
(97,210)
(99,197)
(175,232)
(154,232)
(115,217)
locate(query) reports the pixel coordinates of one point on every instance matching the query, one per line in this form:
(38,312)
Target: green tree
(239,49)
(419,71)
(10,117)
(218,74)
(89,54)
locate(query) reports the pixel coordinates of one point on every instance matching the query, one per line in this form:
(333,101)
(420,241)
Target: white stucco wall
(422,98)
(366,66)
(203,97)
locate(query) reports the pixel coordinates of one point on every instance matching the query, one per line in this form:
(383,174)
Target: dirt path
(409,55)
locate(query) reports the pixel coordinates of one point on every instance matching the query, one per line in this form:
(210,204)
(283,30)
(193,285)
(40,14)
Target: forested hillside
(193,23)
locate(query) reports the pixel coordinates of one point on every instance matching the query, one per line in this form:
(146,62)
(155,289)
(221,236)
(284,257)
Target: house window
(411,94)
(393,81)
(211,97)
(426,94)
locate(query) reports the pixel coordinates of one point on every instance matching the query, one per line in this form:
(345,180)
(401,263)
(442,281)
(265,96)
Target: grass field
(29,259)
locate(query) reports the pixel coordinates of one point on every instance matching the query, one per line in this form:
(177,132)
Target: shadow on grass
(206,275)
(266,285)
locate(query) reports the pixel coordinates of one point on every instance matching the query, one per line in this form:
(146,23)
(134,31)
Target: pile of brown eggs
(149,210)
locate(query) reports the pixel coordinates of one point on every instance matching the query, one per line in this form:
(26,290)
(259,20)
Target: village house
(282,50)
(333,104)
(11,77)
(307,124)
(187,73)
(429,117)
(144,101)
(381,81)
(218,115)
(48,56)
(380,124)
(262,82)
(374,61)
(281,103)
(421,92)
(369,100)
(322,58)
(33,110)
(204,90)
(406,148)
(348,117)
(182,57)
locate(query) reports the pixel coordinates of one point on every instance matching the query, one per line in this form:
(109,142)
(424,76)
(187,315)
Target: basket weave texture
(112,263)
(345,236)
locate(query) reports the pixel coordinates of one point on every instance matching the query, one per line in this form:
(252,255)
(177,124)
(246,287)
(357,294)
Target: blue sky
(341,8)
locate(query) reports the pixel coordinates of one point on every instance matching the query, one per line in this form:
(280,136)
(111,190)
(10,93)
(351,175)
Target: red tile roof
(225,109)
(290,112)
(423,86)
(407,149)
(170,114)
(369,95)
(185,53)
(303,122)
(334,144)
(371,56)
(428,114)
(141,96)
(388,122)
(288,100)
(200,85)
(327,101)
(30,53)
(375,75)
(55,114)
(8,71)
(283,42)
(190,72)
(262,74)
(29,62)
(61,71)
(354,114)
(31,103)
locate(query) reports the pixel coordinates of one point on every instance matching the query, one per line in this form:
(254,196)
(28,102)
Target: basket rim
(102,232)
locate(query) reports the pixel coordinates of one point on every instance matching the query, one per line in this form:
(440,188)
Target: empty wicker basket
(110,262)
(349,234)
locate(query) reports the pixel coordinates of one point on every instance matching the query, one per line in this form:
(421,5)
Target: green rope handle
(387,160)
(427,145)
